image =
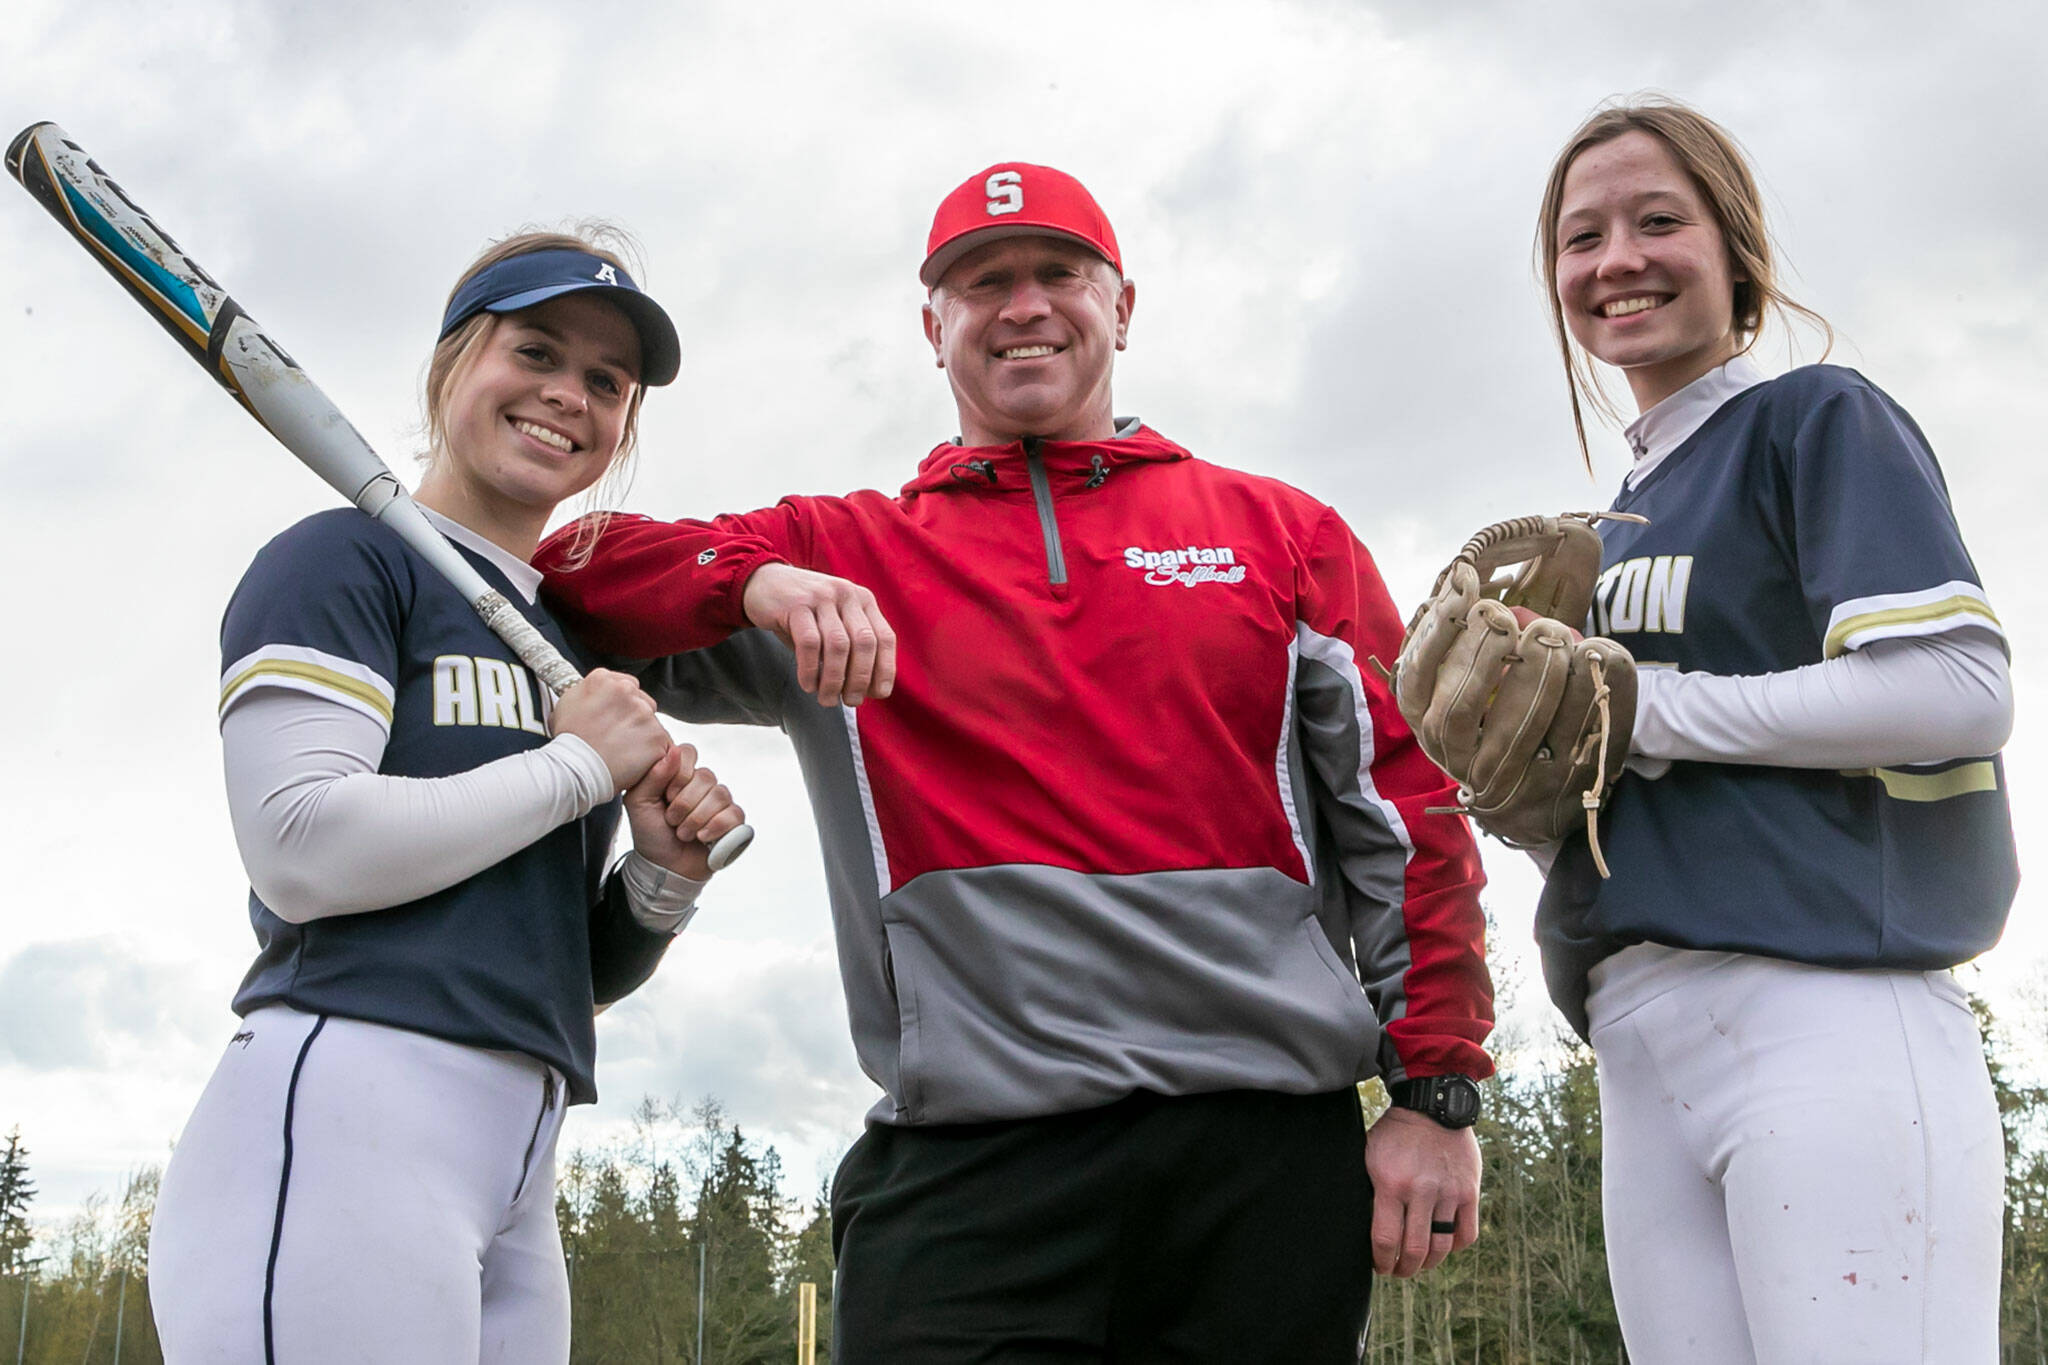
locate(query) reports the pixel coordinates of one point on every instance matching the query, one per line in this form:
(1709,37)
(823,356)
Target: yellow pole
(806,1324)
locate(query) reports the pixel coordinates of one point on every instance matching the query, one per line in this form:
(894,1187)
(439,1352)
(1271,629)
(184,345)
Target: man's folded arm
(650,588)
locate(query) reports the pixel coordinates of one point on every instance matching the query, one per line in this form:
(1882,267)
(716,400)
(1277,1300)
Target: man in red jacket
(1131,857)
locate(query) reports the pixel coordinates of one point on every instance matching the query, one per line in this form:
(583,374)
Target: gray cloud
(760,1026)
(85,1003)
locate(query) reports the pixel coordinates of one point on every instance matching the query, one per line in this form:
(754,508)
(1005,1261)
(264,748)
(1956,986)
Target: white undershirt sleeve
(662,901)
(321,832)
(1916,699)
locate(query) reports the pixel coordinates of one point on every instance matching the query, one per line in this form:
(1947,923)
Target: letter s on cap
(1005,193)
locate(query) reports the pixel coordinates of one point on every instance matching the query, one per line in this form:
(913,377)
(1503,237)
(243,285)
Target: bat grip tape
(533,649)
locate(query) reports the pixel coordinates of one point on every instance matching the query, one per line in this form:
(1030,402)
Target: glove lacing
(1592,797)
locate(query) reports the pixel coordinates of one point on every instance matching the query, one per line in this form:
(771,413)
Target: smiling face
(534,418)
(1026,329)
(1644,279)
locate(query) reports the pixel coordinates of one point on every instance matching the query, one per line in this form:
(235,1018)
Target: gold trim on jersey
(1959,604)
(1902,785)
(365,693)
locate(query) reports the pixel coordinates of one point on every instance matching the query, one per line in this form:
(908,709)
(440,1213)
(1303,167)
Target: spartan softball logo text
(1186,567)
(1646,594)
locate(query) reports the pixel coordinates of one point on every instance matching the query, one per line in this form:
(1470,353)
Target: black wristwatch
(1452,1101)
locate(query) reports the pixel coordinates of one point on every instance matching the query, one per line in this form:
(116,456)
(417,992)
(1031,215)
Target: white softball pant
(351,1192)
(1801,1164)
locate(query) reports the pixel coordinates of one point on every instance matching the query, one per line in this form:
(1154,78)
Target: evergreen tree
(608,1298)
(739,1215)
(17,1192)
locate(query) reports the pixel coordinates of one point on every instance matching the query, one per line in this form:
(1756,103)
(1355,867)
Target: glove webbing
(1486,537)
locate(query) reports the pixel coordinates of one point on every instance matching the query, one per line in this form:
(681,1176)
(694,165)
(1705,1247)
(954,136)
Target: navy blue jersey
(513,958)
(1806,517)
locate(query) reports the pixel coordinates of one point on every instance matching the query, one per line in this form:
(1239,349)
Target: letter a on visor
(1015,199)
(537,276)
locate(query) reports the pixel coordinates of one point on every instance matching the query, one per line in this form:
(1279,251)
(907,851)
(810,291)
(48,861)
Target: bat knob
(729,846)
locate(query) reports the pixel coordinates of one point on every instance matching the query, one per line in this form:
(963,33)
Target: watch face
(1460,1102)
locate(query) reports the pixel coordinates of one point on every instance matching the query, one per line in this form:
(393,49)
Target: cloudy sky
(1327,207)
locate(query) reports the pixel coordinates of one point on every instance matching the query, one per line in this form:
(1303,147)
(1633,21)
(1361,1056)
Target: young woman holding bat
(1802,1157)
(370,1172)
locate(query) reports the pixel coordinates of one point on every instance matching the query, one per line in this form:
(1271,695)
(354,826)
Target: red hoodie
(1135,815)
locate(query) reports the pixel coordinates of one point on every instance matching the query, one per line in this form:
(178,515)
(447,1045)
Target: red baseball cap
(1015,199)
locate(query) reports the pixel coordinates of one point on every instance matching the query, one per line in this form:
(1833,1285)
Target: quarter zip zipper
(1041,494)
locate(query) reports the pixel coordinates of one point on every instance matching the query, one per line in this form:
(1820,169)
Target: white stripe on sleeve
(1950,607)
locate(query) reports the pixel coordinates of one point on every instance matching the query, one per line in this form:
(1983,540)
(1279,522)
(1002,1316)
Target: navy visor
(537,276)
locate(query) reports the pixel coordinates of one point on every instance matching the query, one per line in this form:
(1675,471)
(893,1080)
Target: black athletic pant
(1231,1228)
